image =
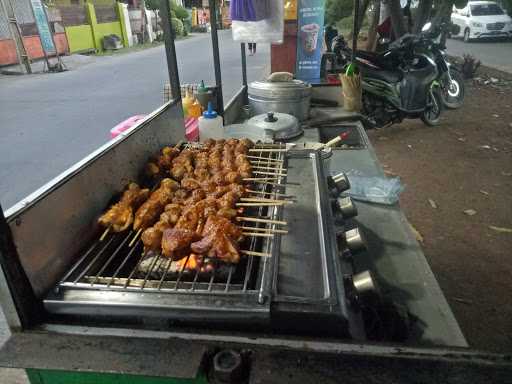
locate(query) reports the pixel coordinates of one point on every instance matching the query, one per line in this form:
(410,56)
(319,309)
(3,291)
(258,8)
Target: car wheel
(466,36)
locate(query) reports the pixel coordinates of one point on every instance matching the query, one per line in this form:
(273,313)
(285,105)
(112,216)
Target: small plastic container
(210,125)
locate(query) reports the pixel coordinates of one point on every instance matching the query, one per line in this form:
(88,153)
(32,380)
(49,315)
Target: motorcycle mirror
(426,27)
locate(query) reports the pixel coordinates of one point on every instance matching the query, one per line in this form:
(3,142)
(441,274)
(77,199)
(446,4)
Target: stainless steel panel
(51,225)
(305,265)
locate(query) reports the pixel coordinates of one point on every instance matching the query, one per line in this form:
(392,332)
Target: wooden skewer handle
(253,253)
(258,220)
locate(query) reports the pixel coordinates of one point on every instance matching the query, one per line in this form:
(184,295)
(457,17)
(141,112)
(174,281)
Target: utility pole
(15,30)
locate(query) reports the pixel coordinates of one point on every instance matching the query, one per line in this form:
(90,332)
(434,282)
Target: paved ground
(496,54)
(50,121)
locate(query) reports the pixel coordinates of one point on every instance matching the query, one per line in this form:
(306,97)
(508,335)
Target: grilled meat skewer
(119,216)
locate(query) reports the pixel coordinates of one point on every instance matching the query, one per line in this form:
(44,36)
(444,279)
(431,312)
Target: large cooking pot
(291,97)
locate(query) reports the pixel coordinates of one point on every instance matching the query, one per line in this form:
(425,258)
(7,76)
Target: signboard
(310,37)
(45,34)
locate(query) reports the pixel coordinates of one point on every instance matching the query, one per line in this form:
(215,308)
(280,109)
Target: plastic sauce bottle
(187,103)
(210,125)
(195,110)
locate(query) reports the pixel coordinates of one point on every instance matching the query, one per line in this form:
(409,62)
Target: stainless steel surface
(354,240)
(67,206)
(364,283)
(275,126)
(292,97)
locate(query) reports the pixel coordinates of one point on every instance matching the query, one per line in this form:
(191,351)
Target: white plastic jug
(210,125)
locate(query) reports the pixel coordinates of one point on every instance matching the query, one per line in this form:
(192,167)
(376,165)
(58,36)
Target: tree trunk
(372,34)
(422,15)
(397,19)
(363,7)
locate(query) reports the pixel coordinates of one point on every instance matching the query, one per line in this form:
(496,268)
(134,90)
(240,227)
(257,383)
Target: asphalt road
(50,121)
(493,53)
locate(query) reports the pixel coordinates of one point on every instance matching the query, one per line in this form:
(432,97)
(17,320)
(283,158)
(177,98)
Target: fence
(25,18)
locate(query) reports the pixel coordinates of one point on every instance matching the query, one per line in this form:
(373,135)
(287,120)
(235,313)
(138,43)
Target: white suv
(481,19)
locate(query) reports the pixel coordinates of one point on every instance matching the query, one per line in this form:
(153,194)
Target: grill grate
(111,264)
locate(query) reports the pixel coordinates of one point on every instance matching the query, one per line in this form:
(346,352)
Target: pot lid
(293,88)
(277,126)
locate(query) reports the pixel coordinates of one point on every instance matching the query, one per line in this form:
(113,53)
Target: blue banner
(310,37)
(45,33)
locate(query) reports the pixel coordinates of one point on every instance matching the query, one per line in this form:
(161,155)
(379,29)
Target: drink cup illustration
(309,36)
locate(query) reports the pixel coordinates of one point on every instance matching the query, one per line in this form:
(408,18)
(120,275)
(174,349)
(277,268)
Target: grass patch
(135,48)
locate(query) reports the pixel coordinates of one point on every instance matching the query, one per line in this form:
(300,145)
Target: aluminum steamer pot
(291,97)
(275,126)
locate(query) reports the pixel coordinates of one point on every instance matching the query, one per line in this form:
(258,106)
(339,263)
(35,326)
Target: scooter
(397,84)
(450,78)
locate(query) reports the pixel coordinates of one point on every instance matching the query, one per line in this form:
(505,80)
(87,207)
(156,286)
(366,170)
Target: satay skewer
(268,230)
(105,233)
(268,150)
(260,204)
(268,159)
(269,173)
(135,237)
(253,253)
(264,200)
(258,234)
(258,220)
(277,194)
(277,167)
(260,179)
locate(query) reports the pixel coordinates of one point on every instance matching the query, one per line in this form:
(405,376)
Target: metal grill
(495,26)
(112,264)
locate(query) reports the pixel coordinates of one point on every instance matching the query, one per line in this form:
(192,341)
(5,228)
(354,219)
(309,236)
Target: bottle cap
(202,88)
(210,113)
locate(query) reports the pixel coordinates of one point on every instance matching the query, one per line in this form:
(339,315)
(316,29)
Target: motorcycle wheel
(453,95)
(432,115)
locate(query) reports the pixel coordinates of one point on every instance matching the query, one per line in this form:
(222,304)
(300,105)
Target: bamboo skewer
(260,204)
(269,183)
(269,159)
(279,174)
(135,237)
(255,179)
(268,150)
(105,233)
(277,167)
(256,234)
(264,200)
(258,220)
(267,230)
(253,253)
(269,193)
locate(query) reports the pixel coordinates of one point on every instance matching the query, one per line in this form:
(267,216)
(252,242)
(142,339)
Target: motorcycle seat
(380,74)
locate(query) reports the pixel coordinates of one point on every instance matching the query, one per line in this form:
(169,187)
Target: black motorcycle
(400,83)
(450,78)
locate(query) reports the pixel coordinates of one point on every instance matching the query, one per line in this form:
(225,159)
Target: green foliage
(176,10)
(153,4)
(180,12)
(335,10)
(507,5)
(177,26)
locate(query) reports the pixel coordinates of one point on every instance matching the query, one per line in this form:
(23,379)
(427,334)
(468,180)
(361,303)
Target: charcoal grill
(300,278)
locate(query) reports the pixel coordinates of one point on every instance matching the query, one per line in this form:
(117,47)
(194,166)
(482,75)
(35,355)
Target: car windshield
(486,10)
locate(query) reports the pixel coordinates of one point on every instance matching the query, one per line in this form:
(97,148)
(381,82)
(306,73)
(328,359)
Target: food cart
(315,308)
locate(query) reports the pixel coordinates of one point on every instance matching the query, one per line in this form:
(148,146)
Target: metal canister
(291,97)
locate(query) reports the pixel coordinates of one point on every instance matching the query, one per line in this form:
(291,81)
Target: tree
(372,31)
(422,15)
(335,10)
